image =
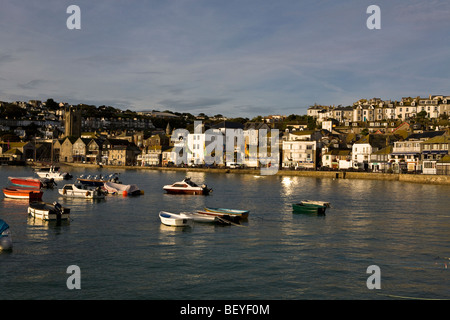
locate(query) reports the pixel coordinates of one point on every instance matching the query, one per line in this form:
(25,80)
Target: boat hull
(52,173)
(26,182)
(47,211)
(185,191)
(72,191)
(231,212)
(309,208)
(93,183)
(174,220)
(187,187)
(5,237)
(125,189)
(16,193)
(221,216)
(197,217)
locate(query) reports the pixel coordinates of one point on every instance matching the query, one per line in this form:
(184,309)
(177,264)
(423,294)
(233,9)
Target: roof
(228,124)
(444,159)
(339,152)
(425,135)
(13,151)
(302,132)
(438,139)
(386,150)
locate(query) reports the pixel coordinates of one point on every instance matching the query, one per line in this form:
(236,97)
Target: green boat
(308,207)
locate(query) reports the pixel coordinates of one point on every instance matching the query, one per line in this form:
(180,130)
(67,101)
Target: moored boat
(321,203)
(306,207)
(81,191)
(23,193)
(52,172)
(205,218)
(231,212)
(124,189)
(26,182)
(5,236)
(48,211)
(98,180)
(187,187)
(175,220)
(221,215)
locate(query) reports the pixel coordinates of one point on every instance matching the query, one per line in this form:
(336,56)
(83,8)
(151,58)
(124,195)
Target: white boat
(5,236)
(48,211)
(124,189)
(52,172)
(79,190)
(175,220)
(187,187)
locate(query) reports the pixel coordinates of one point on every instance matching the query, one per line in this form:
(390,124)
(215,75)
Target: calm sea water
(124,252)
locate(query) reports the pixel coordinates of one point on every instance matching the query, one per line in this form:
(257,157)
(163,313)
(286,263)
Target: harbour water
(124,252)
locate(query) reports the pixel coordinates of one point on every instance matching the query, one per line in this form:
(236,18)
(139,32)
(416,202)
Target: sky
(236,58)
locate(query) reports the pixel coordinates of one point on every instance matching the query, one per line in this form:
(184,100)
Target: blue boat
(98,181)
(5,236)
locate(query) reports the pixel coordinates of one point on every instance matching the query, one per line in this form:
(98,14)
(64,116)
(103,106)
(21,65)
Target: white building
(299,154)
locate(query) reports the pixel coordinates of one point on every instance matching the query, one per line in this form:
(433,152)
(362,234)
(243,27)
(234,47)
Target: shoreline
(413,178)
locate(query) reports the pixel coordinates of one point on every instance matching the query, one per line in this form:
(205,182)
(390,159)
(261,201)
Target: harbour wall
(413,178)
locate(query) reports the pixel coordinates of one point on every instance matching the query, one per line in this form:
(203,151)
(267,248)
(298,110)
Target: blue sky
(236,58)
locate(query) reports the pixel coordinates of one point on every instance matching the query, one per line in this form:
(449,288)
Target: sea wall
(414,178)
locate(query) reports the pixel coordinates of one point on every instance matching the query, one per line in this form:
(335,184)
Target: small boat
(98,180)
(175,220)
(231,212)
(306,207)
(5,236)
(321,203)
(198,217)
(221,215)
(52,172)
(79,190)
(26,182)
(187,187)
(124,189)
(48,211)
(205,218)
(23,193)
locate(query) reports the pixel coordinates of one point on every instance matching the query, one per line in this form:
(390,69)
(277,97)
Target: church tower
(72,119)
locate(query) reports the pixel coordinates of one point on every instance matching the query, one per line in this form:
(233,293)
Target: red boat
(26,182)
(23,193)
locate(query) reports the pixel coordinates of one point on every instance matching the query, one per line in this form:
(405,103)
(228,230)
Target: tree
(51,104)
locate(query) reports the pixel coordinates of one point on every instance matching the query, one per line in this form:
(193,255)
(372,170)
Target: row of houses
(378,110)
(426,152)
